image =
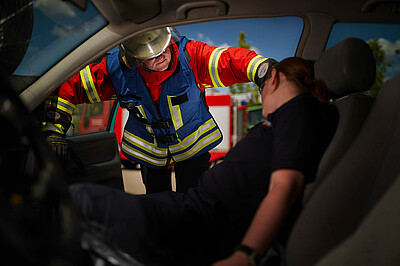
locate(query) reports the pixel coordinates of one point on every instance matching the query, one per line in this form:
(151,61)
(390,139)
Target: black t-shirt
(294,137)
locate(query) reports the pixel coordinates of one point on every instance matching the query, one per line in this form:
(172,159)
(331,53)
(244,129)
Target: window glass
(384,40)
(88,118)
(277,38)
(56,27)
(271,37)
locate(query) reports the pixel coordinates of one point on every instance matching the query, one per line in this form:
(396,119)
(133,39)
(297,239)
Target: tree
(245,87)
(381,65)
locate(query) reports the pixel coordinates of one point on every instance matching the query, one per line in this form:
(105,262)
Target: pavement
(133,181)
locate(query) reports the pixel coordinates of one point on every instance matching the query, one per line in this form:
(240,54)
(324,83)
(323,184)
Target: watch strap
(253,255)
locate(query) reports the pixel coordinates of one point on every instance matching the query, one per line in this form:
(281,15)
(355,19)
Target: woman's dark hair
(301,72)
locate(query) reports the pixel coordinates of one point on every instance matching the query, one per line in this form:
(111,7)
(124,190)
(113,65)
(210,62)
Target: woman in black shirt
(243,202)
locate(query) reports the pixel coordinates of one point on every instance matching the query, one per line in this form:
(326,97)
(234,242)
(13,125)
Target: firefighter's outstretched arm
(90,85)
(220,67)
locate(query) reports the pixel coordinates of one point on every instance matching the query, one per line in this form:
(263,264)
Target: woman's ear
(274,79)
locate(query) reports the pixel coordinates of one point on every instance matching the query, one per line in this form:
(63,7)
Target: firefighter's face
(159,63)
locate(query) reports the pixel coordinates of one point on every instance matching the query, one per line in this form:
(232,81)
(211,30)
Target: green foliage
(245,87)
(381,66)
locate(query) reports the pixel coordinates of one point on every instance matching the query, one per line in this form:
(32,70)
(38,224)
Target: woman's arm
(284,189)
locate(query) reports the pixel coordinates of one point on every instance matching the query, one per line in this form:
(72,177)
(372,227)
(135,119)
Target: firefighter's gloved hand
(263,71)
(58,145)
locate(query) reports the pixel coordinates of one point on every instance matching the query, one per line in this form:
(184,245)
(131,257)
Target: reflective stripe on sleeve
(88,84)
(213,67)
(61,104)
(47,126)
(65,106)
(253,65)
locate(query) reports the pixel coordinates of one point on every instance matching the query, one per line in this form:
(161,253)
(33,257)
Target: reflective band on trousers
(213,67)
(88,84)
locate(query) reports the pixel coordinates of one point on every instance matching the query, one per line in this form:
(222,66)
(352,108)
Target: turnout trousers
(187,174)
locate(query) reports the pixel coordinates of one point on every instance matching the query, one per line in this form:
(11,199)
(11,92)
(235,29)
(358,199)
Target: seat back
(348,69)
(346,196)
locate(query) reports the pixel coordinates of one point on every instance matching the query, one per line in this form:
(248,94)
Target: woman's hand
(236,259)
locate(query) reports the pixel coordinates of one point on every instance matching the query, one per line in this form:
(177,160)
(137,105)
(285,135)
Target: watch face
(262,70)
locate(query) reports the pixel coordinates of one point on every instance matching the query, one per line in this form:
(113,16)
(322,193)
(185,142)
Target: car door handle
(220,6)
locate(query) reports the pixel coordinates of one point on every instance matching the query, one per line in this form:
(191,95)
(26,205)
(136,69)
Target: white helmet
(147,45)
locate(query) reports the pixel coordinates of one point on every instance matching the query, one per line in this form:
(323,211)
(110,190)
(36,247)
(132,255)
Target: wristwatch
(253,255)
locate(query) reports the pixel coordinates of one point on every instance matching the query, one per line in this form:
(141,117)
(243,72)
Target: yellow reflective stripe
(65,106)
(178,111)
(88,84)
(145,145)
(176,114)
(253,65)
(61,104)
(47,126)
(199,146)
(213,67)
(192,138)
(144,157)
(125,61)
(148,127)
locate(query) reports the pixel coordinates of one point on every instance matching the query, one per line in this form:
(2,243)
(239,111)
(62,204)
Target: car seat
(357,201)
(348,69)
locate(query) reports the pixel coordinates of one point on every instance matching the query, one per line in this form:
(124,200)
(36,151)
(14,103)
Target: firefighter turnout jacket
(168,115)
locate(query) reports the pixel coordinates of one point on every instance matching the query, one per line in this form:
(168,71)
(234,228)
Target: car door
(94,154)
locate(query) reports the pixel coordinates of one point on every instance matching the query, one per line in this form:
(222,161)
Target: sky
(266,37)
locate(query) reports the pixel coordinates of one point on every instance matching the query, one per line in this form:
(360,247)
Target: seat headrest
(347,67)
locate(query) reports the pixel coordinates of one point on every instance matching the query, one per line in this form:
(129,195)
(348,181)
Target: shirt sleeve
(222,67)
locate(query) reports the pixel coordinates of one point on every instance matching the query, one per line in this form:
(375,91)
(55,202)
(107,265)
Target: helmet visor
(149,44)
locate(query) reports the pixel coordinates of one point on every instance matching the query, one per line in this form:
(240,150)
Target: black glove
(58,144)
(263,71)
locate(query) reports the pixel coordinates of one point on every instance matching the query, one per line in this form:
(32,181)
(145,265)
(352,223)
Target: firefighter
(160,78)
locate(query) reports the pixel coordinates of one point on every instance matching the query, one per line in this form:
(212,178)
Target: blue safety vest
(180,128)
